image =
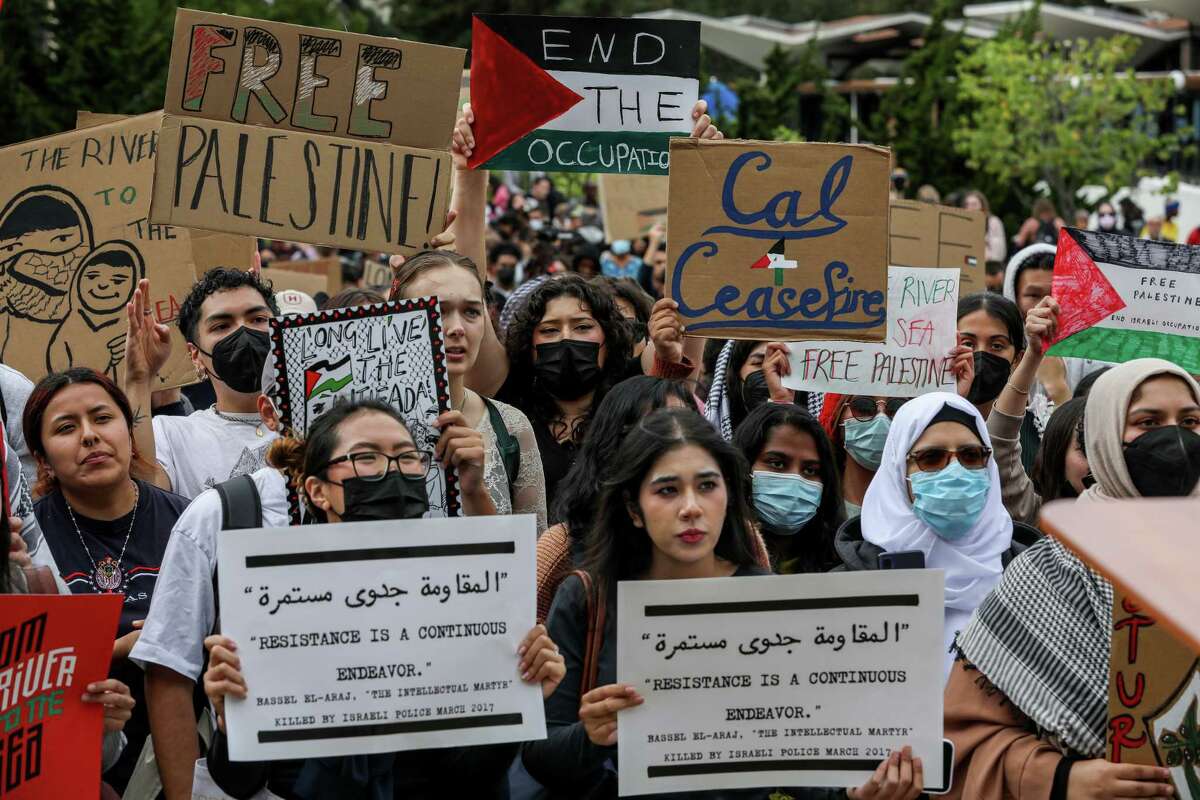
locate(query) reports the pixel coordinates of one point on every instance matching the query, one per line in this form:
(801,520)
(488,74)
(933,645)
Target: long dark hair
(598,300)
(733,380)
(813,544)
(298,458)
(1050,465)
(999,308)
(627,402)
(616,549)
(35,411)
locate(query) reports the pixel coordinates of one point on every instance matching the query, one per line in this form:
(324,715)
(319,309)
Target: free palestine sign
(1124,298)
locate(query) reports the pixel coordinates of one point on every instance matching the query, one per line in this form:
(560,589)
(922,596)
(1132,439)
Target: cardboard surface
(54,646)
(632,204)
(377,276)
(307,282)
(74,239)
(927,235)
(1124,298)
(772,240)
(299,187)
(313,80)
(596,94)
(90,119)
(1154,686)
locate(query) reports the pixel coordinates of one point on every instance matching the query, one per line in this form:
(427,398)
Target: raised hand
(702,124)
(147,343)
(463,140)
(666,330)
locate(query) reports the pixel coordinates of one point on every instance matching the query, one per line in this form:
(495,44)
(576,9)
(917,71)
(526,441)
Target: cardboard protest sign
(299,187)
(313,80)
(928,235)
(51,648)
(922,325)
(1154,694)
(772,240)
(391,352)
(90,119)
(1123,298)
(632,204)
(445,603)
(306,282)
(595,94)
(377,275)
(779,651)
(75,237)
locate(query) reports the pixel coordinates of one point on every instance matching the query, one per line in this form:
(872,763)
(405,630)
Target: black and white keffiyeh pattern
(716,410)
(1042,637)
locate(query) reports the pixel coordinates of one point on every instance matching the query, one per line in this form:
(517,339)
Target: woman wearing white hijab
(947,506)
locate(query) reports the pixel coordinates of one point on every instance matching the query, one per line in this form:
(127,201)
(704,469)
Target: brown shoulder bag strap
(595,632)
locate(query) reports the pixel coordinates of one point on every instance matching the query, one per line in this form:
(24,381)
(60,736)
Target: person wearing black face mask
(359,462)
(225,320)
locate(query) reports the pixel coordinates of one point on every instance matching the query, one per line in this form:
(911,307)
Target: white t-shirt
(182,611)
(15,389)
(203,449)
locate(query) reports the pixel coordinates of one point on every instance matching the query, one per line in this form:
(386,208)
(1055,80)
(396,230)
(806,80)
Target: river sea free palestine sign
(1124,298)
(581,94)
(773,240)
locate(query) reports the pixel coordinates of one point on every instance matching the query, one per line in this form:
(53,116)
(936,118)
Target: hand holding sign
(147,342)
(666,330)
(899,777)
(598,711)
(118,702)
(1041,324)
(540,660)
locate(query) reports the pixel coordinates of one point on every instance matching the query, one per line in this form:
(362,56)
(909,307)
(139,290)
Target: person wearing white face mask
(937,490)
(858,426)
(797,495)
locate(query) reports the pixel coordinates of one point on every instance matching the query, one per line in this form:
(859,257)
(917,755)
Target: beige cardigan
(1016,489)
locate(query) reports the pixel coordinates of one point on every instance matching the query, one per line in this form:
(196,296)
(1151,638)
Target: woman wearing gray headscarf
(1027,703)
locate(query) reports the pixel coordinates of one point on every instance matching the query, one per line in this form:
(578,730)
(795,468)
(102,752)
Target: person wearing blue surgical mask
(858,425)
(796,491)
(937,491)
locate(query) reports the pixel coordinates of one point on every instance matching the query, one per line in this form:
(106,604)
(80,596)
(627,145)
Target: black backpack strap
(507,444)
(241,505)
(241,509)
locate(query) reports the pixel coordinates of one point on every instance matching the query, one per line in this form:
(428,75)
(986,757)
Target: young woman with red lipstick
(674,505)
(105,523)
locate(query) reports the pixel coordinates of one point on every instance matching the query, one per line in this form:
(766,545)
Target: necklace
(241,419)
(107,574)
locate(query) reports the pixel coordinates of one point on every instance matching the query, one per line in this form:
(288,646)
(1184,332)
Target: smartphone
(902,559)
(947,770)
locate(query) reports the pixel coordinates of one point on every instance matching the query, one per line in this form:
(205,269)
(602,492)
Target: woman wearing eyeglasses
(858,426)
(359,462)
(937,491)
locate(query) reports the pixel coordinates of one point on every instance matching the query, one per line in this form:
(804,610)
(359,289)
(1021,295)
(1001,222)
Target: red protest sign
(51,648)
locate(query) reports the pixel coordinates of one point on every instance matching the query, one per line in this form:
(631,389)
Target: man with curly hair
(225,320)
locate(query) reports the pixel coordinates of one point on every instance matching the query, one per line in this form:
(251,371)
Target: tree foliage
(1070,113)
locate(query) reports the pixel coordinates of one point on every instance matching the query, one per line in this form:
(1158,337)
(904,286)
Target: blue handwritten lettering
(782,210)
(772,307)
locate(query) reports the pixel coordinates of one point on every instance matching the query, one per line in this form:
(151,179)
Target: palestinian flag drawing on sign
(1123,298)
(323,382)
(581,94)
(775,260)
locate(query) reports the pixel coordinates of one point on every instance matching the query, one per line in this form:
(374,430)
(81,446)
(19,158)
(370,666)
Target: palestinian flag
(581,94)
(775,259)
(327,377)
(1123,298)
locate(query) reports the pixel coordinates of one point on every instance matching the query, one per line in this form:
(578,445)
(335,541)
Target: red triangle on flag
(310,380)
(510,94)
(1084,295)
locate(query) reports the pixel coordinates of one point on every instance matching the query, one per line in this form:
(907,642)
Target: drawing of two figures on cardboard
(61,289)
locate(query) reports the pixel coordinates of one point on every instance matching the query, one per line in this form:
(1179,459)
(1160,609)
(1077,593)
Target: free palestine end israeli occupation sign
(1123,298)
(581,94)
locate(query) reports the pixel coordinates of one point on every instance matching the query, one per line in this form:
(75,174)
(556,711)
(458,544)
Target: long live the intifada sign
(305,134)
(581,94)
(1123,298)
(774,240)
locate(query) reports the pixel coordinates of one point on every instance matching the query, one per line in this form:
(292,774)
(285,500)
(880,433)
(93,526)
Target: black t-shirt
(137,572)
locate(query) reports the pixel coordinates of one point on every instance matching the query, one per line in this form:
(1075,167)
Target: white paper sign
(797,680)
(922,328)
(374,637)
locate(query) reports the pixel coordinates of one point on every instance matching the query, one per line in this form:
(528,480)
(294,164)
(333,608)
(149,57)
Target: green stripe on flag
(587,151)
(1111,344)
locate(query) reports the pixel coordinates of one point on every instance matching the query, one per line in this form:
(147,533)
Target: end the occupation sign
(596,94)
